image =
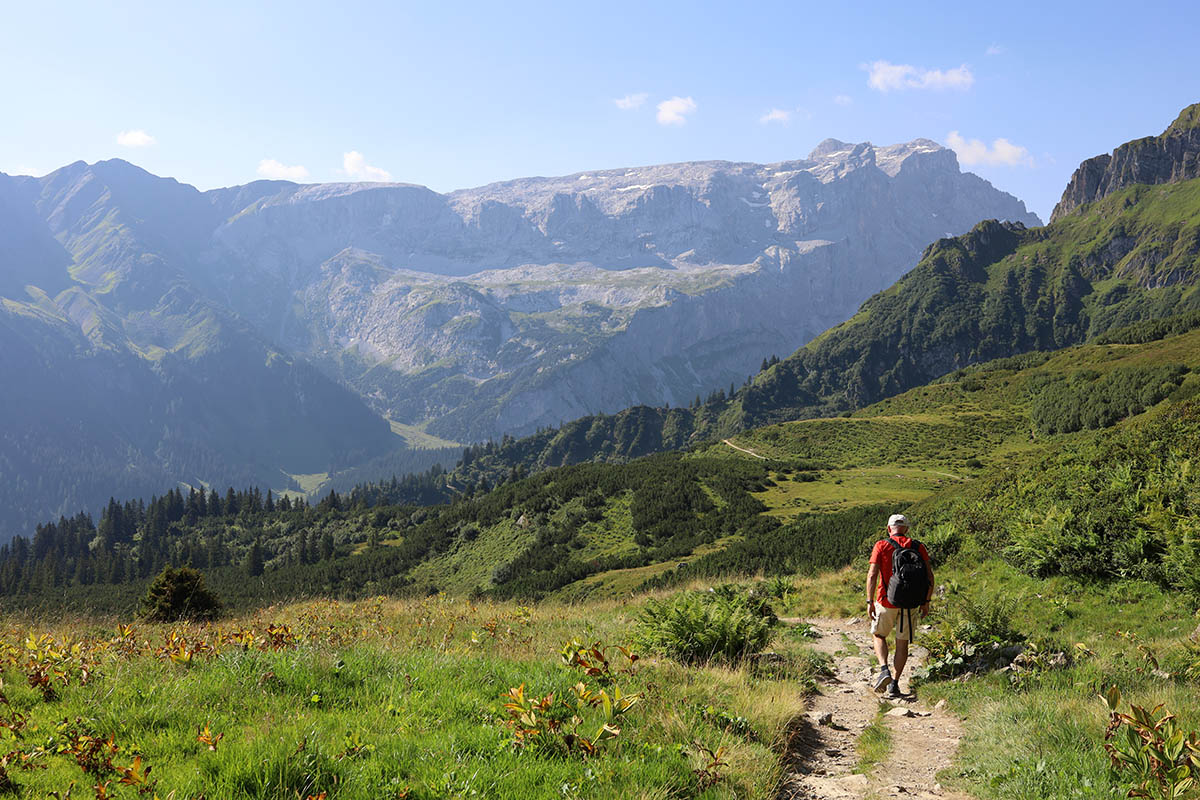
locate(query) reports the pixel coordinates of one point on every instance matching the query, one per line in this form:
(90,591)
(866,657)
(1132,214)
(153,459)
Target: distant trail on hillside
(744,450)
(821,759)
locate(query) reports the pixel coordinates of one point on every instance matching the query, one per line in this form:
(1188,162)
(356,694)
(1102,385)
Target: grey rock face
(529,302)
(506,307)
(1168,158)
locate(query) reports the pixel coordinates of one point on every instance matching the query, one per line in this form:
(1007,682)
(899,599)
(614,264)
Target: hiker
(902,569)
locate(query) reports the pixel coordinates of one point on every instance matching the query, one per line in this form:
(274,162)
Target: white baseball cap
(897,519)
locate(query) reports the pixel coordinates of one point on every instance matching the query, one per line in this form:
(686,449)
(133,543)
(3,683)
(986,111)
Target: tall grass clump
(698,627)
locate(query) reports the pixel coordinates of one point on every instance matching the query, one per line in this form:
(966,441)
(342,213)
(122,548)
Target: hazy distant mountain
(152,333)
(529,302)
(120,378)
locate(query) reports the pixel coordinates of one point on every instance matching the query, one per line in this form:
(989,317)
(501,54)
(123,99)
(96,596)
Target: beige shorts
(888,618)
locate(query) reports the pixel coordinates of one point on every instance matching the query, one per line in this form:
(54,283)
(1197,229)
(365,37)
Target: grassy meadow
(384,698)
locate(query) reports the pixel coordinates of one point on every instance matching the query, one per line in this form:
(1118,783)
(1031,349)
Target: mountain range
(1124,247)
(152,334)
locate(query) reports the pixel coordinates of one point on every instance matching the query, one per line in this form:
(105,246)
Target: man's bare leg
(881,651)
(901,658)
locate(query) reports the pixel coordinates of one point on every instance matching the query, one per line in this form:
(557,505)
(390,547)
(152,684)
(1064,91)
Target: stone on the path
(939,705)
(825,719)
(900,711)
(854,621)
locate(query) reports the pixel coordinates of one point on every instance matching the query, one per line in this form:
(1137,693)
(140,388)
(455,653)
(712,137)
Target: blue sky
(453,95)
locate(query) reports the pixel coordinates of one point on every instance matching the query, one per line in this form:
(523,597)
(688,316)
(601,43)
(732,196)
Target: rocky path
(744,450)
(821,756)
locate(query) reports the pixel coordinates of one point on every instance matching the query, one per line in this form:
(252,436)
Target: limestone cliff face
(1168,158)
(506,307)
(529,302)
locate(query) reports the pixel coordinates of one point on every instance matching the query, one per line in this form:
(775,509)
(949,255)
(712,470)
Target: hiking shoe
(893,692)
(885,678)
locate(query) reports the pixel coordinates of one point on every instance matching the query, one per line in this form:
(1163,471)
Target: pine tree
(254,559)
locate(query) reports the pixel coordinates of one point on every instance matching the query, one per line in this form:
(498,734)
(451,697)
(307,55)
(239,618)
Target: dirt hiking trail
(821,756)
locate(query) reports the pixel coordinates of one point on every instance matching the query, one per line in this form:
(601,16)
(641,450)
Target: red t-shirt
(882,555)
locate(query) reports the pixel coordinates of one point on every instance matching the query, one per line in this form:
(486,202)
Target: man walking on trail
(904,574)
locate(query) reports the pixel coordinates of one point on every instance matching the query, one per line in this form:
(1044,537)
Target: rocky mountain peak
(827,147)
(1188,119)
(1171,157)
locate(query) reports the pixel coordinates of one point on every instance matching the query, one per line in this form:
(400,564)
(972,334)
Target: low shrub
(974,635)
(179,594)
(698,627)
(1150,752)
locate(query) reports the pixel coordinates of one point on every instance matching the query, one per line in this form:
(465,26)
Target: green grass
(874,745)
(382,698)
(840,489)
(415,437)
(310,483)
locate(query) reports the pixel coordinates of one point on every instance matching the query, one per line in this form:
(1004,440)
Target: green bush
(698,627)
(179,594)
(942,542)
(1088,401)
(971,636)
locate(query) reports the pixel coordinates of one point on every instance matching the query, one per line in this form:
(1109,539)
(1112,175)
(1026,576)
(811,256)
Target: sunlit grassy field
(377,699)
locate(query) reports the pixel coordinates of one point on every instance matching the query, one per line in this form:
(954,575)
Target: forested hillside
(787,498)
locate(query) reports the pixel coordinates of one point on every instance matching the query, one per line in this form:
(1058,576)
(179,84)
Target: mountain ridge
(657,284)
(1172,156)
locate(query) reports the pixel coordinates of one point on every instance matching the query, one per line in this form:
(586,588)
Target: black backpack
(909,585)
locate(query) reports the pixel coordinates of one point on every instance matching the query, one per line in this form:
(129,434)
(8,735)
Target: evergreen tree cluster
(136,539)
(1087,400)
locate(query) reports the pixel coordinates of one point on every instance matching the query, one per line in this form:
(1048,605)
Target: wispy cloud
(631,101)
(135,138)
(1001,152)
(355,165)
(775,115)
(996,50)
(883,76)
(675,110)
(843,100)
(276,171)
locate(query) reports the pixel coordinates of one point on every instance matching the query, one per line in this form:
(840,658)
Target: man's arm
(872,579)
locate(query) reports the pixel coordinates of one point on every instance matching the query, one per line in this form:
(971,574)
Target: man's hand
(871,610)
(925,610)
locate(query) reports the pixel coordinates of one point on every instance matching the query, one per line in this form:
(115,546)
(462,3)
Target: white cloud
(355,165)
(273,170)
(995,50)
(884,76)
(775,115)
(23,169)
(135,138)
(843,100)
(1001,152)
(631,101)
(675,110)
